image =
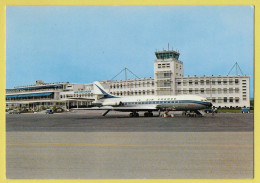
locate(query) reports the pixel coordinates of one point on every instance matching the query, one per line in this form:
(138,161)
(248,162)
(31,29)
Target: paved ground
(89,146)
(120,122)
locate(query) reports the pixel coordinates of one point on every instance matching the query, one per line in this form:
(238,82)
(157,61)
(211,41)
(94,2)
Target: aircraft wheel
(136,114)
(131,114)
(146,114)
(150,114)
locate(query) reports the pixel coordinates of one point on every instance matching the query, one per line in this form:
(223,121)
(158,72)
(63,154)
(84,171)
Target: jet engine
(113,103)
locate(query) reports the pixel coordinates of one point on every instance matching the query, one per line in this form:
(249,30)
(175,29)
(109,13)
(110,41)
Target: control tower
(166,68)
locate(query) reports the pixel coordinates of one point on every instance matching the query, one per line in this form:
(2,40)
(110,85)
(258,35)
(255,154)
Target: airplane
(134,104)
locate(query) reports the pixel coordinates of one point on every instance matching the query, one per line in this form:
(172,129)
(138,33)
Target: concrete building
(222,91)
(43,95)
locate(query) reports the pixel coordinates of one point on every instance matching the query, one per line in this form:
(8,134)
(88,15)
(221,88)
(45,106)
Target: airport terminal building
(43,95)
(222,91)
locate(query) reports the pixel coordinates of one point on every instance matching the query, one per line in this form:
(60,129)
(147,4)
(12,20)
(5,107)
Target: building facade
(222,91)
(43,95)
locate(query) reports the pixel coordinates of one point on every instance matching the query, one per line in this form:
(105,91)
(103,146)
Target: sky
(82,44)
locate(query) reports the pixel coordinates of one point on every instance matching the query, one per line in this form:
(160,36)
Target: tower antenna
(125,70)
(237,67)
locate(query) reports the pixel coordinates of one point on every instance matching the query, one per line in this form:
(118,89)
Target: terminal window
(225,99)
(166,75)
(219,100)
(196,91)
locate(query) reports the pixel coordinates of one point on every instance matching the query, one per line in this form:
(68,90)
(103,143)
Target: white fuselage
(181,102)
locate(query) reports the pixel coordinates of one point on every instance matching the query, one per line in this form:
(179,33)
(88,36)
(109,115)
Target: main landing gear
(148,114)
(134,114)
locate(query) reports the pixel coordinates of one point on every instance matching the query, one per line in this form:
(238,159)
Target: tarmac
(86,145)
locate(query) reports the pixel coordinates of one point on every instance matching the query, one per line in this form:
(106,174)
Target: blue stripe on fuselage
(208,104)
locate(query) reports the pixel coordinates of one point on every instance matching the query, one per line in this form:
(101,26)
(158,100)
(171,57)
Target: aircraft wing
(121,108)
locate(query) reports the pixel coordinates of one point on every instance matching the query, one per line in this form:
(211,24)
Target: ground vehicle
(49,111)
(209,110)
(245,110)
(58,110)
(14,112)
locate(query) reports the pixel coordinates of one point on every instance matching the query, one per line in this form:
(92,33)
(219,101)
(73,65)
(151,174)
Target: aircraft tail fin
(99,90)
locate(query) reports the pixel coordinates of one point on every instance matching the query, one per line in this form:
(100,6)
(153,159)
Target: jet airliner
(134,104)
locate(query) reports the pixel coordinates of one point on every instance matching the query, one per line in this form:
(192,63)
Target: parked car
(23,110)
(245,110)
(209,110)
(14,112)
(49,111)
(58,110)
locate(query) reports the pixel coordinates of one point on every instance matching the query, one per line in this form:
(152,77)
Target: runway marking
(129,145)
